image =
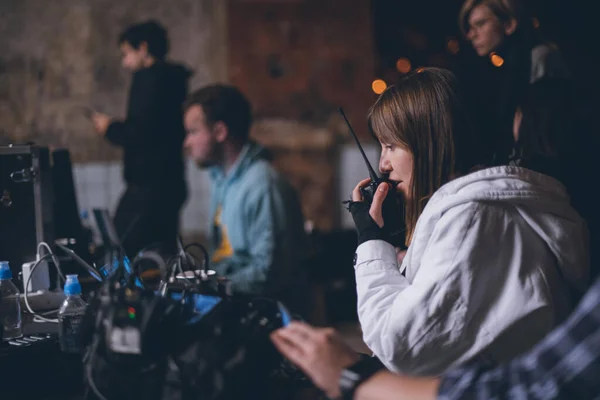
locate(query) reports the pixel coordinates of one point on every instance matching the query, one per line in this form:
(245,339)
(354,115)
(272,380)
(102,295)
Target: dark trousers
(149,216)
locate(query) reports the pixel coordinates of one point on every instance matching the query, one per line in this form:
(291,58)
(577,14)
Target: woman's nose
(471,34)
(384,166)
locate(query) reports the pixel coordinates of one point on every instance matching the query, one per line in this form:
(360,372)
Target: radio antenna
(372,173)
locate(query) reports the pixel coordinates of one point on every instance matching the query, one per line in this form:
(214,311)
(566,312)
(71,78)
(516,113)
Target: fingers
(356,194)
(296,342)
(301,338)
(377,205)
(287,348)
(299,333)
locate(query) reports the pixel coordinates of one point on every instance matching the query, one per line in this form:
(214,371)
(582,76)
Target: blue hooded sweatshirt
(257,228)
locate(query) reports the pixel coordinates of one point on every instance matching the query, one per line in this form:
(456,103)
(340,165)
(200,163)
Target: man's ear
(510,27)
(143,47)
(221,132)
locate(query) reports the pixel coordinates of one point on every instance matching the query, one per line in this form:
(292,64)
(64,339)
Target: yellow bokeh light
(497,61)
(403,65)
(453,46)
(420,69)
(378,86)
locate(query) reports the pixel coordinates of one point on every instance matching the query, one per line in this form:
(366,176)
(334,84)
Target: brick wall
(298,61)
(301,59)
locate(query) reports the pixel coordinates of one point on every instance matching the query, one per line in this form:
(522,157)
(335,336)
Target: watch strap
(356,374)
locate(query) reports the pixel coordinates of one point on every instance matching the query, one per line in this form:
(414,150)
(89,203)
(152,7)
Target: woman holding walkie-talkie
(496,255)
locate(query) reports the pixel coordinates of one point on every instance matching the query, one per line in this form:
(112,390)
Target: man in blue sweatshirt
(257,229)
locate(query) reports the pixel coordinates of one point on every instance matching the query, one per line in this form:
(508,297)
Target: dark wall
(60,54)
(301,59)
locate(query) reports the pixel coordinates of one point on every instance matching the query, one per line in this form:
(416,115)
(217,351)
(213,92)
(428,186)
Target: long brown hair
(423,114)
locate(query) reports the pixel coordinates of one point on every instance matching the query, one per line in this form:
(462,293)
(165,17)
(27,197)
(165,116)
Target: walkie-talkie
(392,208)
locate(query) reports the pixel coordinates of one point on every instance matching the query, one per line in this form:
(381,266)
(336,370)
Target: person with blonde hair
(494,253)
(512,55)
(490,25)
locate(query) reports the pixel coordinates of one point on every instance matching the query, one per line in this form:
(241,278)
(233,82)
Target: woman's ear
(510,27)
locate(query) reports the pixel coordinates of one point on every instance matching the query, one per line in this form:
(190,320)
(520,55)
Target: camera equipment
(187,276)
(126,332)
(190,341)
(26,209)
(62,244)
(392,207)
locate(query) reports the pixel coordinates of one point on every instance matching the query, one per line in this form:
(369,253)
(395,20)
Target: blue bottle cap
(72,286)
(5,272)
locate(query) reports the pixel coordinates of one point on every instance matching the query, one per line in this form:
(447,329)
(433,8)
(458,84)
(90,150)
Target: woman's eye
(389,146)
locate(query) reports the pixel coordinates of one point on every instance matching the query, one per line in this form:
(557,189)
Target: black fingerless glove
(366,227)
(393,230)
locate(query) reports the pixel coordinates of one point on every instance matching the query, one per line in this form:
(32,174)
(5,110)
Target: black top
(152,135)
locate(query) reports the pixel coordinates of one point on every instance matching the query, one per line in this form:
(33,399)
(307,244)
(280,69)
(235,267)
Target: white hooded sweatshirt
(490,271)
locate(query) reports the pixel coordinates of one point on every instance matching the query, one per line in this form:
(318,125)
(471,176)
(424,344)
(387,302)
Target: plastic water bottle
(10,308)
(70,315)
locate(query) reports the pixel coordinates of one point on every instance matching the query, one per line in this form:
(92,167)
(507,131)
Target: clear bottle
(10,308)
(70,316)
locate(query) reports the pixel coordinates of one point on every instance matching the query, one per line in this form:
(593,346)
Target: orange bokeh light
(403,65)
(453,46)
(378,86)
(497,61)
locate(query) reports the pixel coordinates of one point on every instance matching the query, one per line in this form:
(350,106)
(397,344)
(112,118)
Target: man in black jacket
(152,137)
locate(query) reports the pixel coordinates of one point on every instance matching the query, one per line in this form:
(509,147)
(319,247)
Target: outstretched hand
(319,352)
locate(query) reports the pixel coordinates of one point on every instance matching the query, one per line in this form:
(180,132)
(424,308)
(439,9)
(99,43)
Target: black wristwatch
(356,374)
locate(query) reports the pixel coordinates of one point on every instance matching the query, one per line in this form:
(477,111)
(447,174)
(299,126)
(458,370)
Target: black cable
(176,259)
(179,264)
(157,258)
(170,261)
(151,246)
(197,262)
(204,252)
(183,253)
(89,373)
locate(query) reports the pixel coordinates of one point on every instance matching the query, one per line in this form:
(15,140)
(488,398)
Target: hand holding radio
(377,213)
(374,199)
(369,216)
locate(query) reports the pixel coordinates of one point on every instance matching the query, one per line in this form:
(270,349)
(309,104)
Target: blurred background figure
(257,237)
(151,136)
(551,137)
(512,55)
